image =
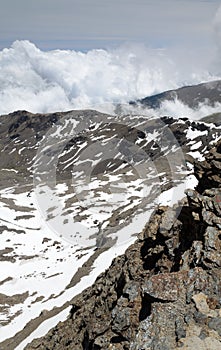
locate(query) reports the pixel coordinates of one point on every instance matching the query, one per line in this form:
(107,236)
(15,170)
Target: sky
(87,24)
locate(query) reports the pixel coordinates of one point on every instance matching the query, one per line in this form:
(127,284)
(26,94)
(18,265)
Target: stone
(215,323)
(212,245)
(163,286)
(200,301)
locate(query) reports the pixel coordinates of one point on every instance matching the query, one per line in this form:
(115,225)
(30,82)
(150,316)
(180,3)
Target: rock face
(165,292)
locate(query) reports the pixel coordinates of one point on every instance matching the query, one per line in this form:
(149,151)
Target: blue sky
(87,24)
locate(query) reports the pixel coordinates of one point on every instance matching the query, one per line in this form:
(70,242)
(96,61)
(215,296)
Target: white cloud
(61,80)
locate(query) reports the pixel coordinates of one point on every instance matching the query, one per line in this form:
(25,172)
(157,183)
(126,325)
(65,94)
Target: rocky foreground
(165,292)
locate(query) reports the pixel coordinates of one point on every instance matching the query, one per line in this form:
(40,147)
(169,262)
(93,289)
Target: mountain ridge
(208,93)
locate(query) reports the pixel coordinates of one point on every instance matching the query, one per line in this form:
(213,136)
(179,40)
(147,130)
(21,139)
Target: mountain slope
(164,292)
(76,188)
(208,93)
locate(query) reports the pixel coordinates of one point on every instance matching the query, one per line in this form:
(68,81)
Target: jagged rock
(164,287)
(208,171)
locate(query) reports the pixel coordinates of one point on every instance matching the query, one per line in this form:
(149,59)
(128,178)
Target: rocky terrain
(76,188)
(208,93)
(165,292)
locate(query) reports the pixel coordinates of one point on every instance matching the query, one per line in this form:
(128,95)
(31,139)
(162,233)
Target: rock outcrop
(165,292)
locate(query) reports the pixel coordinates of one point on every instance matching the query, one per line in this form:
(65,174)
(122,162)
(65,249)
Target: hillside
(205,93)
(76,189)
(164,292)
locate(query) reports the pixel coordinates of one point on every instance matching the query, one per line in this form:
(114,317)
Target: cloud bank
(62,80)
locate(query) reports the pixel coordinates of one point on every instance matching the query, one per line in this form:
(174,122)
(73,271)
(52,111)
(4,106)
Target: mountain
(213,118)
(164,292)
(76,188)
(192,96)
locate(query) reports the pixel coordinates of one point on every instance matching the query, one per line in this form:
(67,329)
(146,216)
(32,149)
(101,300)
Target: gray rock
(215,323)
